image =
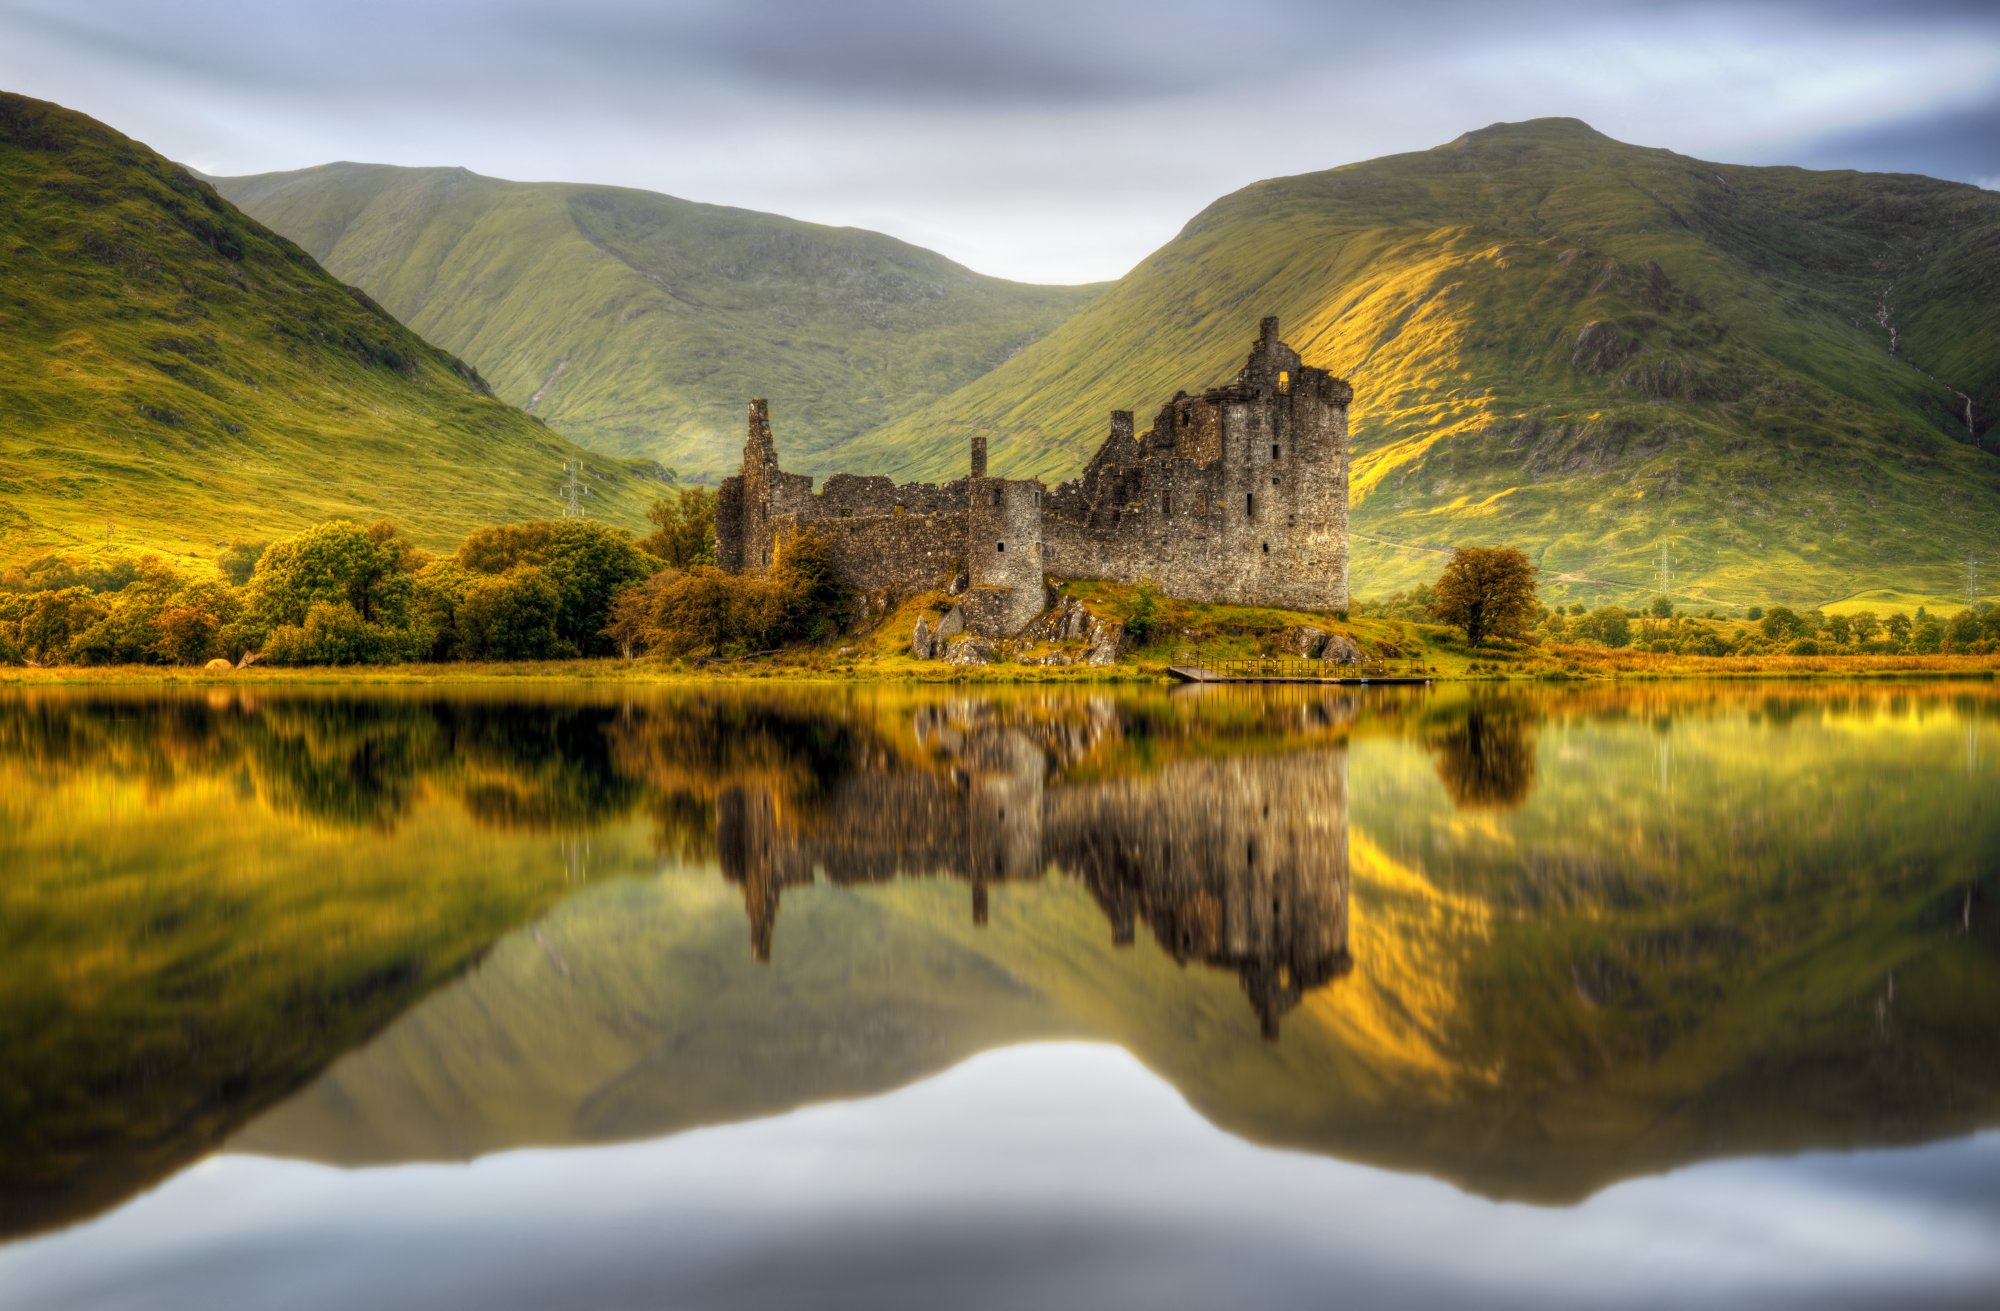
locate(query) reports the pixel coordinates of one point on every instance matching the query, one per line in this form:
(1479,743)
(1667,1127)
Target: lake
(1635,995)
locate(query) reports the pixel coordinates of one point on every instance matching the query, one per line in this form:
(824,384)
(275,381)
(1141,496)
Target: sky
(1044,140)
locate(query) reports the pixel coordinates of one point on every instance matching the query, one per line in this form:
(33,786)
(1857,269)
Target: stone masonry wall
(1238,495)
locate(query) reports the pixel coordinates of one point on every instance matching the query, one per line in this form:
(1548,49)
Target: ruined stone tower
(1236,495)
(1003,552)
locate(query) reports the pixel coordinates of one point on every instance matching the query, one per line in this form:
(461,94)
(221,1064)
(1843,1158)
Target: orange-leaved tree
(1489,591)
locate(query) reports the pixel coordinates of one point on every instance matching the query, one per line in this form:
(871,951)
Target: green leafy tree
(514,616)
(332,634)
(1487,591)
(587,563)
(1754,613)
(336,563)
(684,528)
(1661,608)
(1926,635)
(437,591)
(1840,628)
(239,560)
(1897,626)
(1608,625)
(1783,624)
(51,621)
(1962,631)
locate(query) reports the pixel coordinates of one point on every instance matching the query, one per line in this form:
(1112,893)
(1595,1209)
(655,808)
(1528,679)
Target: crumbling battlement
(1236,495)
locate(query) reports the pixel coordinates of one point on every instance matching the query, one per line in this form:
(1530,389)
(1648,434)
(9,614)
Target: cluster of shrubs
(1780,630)
(343,594)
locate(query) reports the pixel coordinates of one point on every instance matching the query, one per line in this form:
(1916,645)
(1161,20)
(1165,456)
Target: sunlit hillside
(641,324)
(1786,381)
(175,376)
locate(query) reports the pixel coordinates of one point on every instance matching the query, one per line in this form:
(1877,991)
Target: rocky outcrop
(924,641)
(965,651)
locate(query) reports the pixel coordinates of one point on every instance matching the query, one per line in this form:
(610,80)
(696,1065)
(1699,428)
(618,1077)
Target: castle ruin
(1237,495)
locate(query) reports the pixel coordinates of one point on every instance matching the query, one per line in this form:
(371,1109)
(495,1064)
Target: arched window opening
(1249,504)
(1274,450)
(1284,382)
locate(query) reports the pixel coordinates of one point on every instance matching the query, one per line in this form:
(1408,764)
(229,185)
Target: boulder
(959,582)
(1107,642)
(923,642)
(218,665)
(964,651)
(1340,650)
(1302,640)
(952,624)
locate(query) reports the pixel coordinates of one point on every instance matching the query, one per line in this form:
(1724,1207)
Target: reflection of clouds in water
(1041,1175)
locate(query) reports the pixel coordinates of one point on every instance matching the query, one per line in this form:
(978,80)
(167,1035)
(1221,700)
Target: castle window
(1274,482)
(1284,382)
(1000,546)
(1166,503)
(1274,450)
(1267,548)
(996,496)
(1249,504)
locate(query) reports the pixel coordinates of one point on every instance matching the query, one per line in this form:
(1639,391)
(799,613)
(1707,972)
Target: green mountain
(1787,380)
(640,324)
(175,375)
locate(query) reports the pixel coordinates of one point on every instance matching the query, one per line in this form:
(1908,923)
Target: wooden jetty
(1188,667)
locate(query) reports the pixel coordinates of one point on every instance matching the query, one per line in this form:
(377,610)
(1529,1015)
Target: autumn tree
(1488,591)
(684,528)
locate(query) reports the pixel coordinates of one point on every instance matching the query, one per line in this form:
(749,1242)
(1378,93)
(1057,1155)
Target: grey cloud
(1961,143)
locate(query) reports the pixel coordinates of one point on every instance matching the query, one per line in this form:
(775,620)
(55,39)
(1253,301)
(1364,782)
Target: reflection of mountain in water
(1238,863)
(1594,932)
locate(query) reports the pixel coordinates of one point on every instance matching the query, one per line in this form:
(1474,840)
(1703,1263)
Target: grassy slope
(175,368)
(1749,412)
(639,323)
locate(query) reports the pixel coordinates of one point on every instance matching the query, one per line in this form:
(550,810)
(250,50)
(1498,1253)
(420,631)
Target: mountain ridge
(179,375)
(639,322)
(1591,349)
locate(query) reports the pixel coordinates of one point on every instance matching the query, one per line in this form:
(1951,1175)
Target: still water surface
(1637,996)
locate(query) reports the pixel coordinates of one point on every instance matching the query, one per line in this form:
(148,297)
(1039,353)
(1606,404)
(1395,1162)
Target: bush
(1608,625)
(332,634)
(238,562)
(587,563)
(1781,623)
(1144,619)
(1803,646)
(515,616)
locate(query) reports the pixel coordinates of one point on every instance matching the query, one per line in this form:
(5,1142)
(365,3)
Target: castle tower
(1003,550)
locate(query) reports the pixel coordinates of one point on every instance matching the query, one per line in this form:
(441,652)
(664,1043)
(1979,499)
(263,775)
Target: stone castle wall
(1238,495)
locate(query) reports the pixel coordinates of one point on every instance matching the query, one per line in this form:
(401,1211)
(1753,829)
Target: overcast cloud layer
(1047,141)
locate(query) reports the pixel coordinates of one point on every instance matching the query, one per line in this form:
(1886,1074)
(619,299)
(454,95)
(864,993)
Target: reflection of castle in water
(1238,862)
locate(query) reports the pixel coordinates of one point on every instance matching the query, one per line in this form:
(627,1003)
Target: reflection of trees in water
(1486,755)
